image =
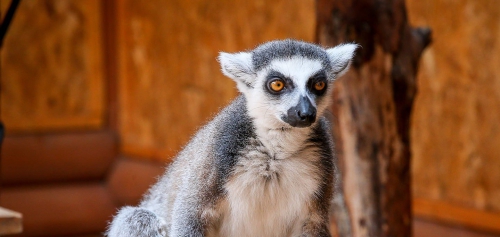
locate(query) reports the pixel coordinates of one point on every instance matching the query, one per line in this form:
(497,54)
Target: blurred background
(97,96)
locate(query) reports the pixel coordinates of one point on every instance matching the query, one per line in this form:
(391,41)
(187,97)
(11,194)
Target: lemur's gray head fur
(287,83)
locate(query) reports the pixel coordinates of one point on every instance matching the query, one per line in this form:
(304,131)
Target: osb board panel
(51,66)
(456,128)
(170,83)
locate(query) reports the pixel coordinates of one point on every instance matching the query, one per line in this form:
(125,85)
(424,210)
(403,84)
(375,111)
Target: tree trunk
(372,110)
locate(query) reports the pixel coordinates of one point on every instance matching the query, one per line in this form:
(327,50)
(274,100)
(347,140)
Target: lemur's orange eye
(277,85)
(320,85)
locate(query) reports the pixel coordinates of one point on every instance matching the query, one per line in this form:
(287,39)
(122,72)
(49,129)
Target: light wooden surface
(10,222)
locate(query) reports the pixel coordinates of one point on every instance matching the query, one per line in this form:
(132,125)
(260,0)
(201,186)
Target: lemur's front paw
(162,228)
(137,222)
(148,223)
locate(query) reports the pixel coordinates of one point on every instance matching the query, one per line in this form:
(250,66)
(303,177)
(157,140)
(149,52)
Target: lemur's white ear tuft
(239,67)
(341,57)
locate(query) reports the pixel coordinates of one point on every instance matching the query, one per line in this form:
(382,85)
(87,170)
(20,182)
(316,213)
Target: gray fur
(267,52)
(248,172)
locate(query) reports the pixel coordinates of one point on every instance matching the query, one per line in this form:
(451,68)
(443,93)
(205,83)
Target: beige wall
(170,83)
(456,120)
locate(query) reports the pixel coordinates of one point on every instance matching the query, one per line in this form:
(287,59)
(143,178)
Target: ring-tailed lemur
(264,165)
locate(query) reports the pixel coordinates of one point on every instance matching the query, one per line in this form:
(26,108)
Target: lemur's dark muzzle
(301,115)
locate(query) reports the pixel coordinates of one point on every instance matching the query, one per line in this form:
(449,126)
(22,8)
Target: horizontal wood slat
(60,210)
(130,179)
(455,214)
(426,228)
(57,157)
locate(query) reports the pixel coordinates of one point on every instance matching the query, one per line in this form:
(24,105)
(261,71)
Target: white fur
(298,69)
(238,67)
(267,114)
(340,57)
(267,197)
(270,197)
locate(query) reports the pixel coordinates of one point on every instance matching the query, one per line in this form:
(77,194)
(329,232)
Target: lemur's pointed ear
(239,67)
(341,57)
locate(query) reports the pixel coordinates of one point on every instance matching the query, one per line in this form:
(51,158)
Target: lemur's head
(287,83)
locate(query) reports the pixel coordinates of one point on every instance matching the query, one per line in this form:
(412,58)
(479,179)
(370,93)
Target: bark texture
(372,110)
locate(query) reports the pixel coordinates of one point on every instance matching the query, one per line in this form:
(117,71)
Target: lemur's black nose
(308,114)
(301,115)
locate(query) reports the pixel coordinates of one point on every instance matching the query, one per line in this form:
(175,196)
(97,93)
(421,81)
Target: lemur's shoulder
(234,130)
(226,132)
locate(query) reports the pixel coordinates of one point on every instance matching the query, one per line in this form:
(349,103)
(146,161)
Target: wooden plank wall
(52,72)
(169,80)
(456,121)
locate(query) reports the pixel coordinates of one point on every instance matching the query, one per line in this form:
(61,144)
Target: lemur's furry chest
(268,196)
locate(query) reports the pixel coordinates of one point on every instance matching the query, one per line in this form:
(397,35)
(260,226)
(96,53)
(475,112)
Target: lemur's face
(289,92)
(287,83)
